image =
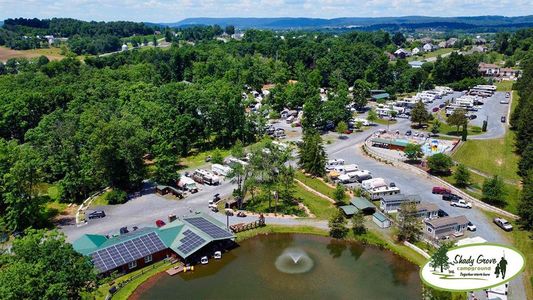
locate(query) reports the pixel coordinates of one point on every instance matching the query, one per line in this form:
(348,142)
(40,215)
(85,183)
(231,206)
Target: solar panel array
(190,242)
(211,229)
(126,252)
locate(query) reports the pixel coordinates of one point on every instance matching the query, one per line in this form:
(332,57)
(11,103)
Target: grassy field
(452,130)
(51,53)
(320,207)
(494,157)
(198,159)
(427,55)
(315,184)
(504,86)
(512,191)
(522,241)
(101,200)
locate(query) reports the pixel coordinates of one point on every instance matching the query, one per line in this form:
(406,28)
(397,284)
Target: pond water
(293,266)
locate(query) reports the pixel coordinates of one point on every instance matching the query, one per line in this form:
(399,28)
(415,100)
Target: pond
(293,266)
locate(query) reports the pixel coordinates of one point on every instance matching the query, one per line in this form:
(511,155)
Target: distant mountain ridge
(281,23)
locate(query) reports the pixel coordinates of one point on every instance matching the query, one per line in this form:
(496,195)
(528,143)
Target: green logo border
(481,288)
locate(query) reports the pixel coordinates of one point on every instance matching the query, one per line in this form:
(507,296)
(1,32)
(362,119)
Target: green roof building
(184,237)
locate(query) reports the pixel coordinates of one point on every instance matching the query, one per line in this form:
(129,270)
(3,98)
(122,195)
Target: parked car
(241,214)
(471,227)
(408,132)
(435,109)
(450,197)
(442,105)
(503,119)
(97,214)
(440,190)
(160,223)
(441,213)
(460,203)
(503,224)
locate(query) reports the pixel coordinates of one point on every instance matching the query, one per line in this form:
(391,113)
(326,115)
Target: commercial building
(185,239)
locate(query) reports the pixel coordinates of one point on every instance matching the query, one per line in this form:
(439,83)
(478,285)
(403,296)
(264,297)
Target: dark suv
(97,214)
(450,197)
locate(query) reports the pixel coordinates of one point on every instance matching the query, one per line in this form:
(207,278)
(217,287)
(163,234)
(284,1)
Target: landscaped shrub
(116,197)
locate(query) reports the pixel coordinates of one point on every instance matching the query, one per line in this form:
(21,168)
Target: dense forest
(83,37)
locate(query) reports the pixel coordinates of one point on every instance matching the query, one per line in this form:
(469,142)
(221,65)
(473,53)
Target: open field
(196,160)
(504,86)
(512,190)
(51,53)
(494,157)
(320,207)
(427,55)
(315,184)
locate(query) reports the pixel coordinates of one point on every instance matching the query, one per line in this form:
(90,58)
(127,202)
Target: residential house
(442,44)
(445,227)
(480,41)
(402,53)
(509,72)
(479,49)
(415,51)
(186,238)
(429,47)
(391,203)
(489,69)
(450,43)
(426,210)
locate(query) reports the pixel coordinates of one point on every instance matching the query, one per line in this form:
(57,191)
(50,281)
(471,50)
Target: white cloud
(169,10)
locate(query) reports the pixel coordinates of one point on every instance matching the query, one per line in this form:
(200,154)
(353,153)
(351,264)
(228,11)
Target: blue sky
(170,11)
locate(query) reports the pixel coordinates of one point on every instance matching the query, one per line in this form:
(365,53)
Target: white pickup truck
(461,203)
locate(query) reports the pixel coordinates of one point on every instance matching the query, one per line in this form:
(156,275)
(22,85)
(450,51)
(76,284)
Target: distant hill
(375,23)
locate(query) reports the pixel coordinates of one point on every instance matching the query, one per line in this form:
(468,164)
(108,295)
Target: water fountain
(294,261)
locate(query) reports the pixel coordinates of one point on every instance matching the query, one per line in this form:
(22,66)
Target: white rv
(221,170)
(343,169)
(187,184)
(332,163)
(373,183)
(378,193)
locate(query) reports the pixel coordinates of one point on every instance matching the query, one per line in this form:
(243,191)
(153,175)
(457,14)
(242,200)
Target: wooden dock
(243,227)
(175,270)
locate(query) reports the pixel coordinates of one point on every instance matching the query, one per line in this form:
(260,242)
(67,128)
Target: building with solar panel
(187,238)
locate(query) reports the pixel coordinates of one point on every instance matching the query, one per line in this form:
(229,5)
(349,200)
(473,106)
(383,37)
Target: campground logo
(472,267)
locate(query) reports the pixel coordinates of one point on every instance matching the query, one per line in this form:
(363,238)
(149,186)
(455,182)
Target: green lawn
(427,55)
(494,157)
(101,200)
(198,159)
(320,207)
(452,130)
(385,121)
(512,191)
(316,184)
(504,86)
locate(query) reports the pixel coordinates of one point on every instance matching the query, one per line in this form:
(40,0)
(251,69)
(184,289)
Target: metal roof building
(127,251)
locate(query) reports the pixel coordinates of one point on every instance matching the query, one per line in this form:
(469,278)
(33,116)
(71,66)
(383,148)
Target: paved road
(492,111)
(145,210)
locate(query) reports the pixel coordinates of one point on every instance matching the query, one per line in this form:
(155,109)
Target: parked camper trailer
(205,177)
(378,193)
(343,169)
(332,163)
(373,183)
(221,170)
(187,184)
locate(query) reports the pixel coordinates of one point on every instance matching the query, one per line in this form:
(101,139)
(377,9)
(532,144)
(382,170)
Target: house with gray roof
(391,203)
(445,227)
